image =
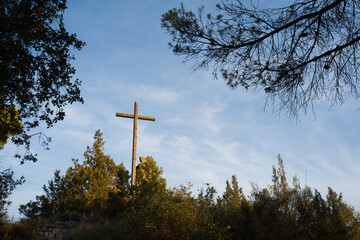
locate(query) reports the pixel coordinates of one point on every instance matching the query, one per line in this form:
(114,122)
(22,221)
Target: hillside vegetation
(98,194)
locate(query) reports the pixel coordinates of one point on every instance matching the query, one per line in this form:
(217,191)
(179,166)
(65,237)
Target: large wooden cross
(135,116)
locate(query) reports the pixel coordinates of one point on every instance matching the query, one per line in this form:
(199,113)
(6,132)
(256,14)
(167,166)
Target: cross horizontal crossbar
(132,116)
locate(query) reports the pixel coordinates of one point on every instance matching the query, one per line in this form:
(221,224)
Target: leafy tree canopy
(297,54)
(9,125)
(88,184)
(149,178)
(149,210)
(84,188)
(7,185)
(35,70)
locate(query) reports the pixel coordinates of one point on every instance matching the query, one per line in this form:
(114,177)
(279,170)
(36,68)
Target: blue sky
(204,131)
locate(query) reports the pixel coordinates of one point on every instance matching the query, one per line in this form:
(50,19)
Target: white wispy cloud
(156,94)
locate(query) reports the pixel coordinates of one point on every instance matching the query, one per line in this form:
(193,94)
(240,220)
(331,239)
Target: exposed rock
(59,230)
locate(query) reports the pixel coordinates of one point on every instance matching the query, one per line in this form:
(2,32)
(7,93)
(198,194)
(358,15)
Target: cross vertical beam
(133,166)
(135,116)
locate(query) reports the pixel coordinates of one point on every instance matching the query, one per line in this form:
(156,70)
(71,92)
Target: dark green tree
(118,201)
(149,180)
(8,127)
(280,211)
(7,185)
(35,70)
(48,204)
(85,188)
(233,195)
(154,212)
(88,183)
(233,210)
(297,54)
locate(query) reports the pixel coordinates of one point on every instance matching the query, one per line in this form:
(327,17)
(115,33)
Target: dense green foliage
(7,185)
(9,126)
(35,70)
(35,75)
(278,212)
(22,230)
(98,193)
(84,188)
(296,54)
